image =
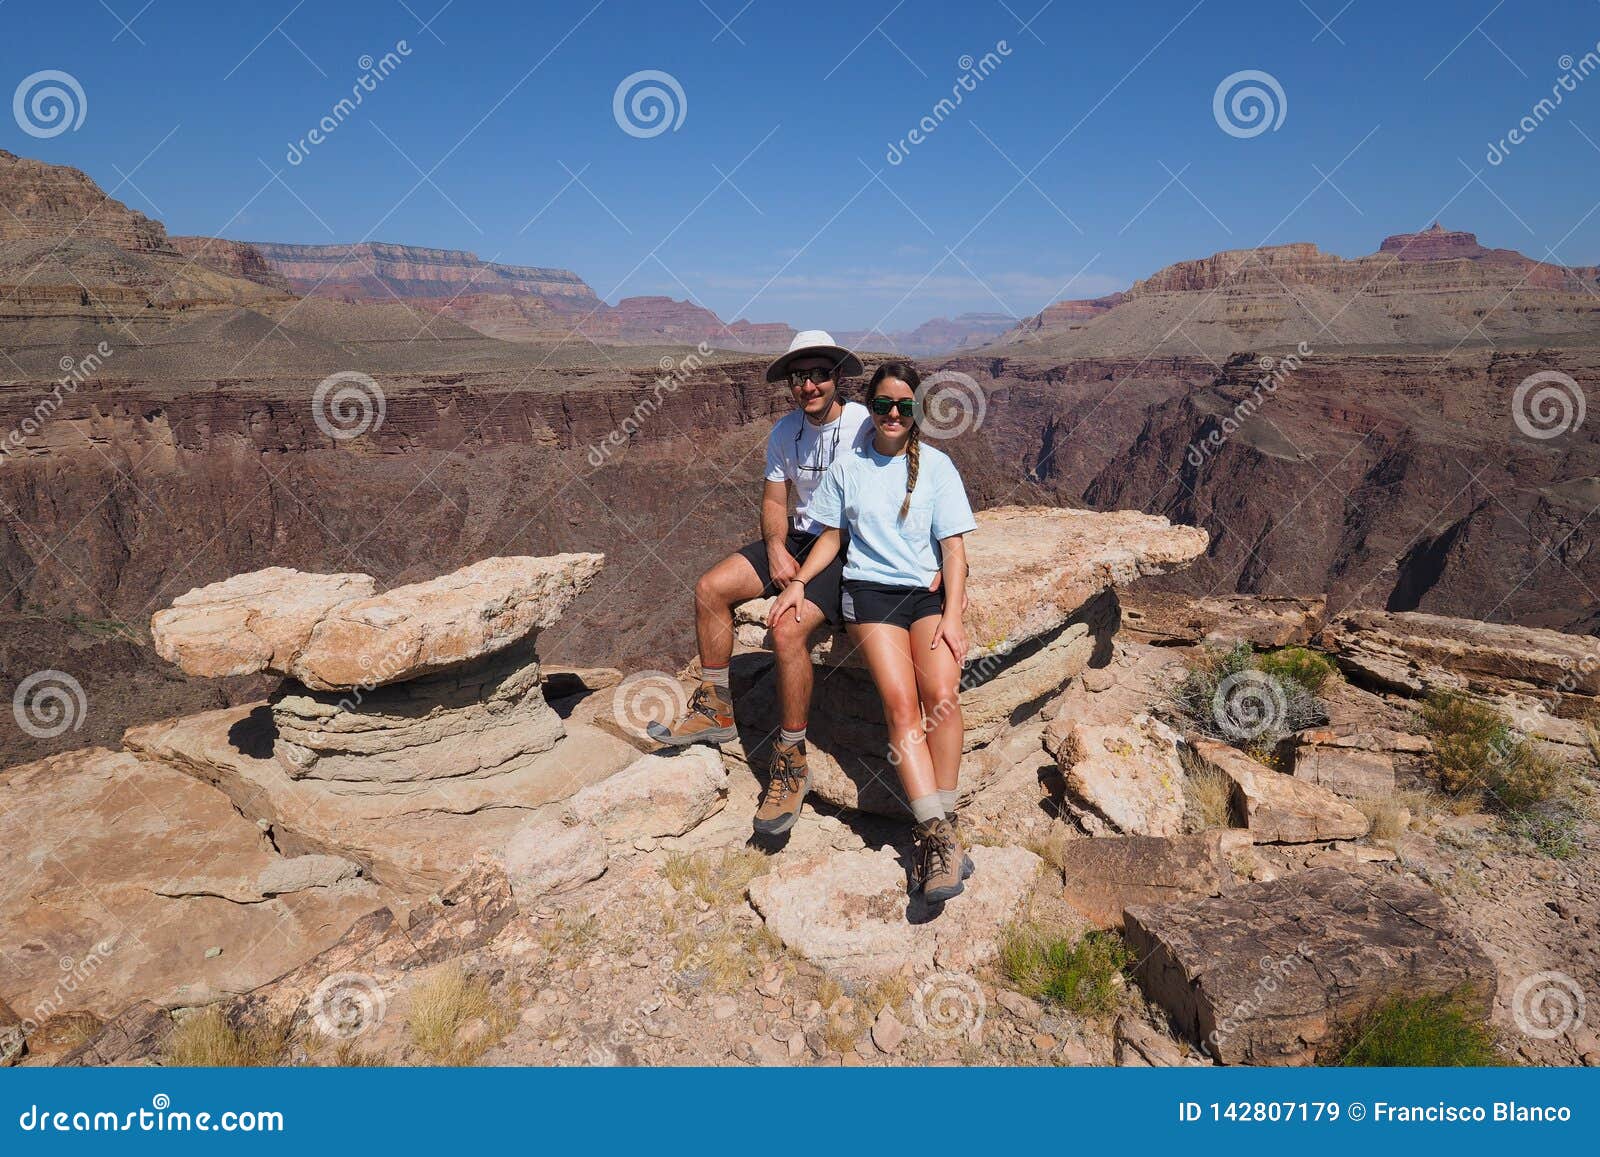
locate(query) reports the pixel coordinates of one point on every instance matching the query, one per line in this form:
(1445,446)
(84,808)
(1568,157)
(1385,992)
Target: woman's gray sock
(928,807)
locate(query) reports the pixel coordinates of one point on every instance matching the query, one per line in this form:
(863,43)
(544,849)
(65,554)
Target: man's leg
(791,646)
(709,718)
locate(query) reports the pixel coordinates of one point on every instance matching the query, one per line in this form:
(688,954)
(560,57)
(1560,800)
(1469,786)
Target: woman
(906,510)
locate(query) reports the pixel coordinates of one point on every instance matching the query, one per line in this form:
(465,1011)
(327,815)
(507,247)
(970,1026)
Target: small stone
(724,1007)
(759,1024)
(816,1042)
(852,1060)
(771,1005)
(213,952)
(1044,1042)
(797,1046)
(811,1011)
(1019,1006)
(887,1031)
(640,959)
(581,981)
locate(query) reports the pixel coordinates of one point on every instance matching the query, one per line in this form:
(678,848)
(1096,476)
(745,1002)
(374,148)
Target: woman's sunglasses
(820,374)
(882,405)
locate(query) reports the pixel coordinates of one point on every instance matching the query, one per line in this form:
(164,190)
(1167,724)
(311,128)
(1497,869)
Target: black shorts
(864,602)
(822,590)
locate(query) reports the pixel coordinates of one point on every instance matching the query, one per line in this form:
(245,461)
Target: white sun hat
(815,343)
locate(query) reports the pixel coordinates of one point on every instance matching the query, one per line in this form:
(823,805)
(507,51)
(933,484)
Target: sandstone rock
(251,622)
(414,836)
(1136,1044)
(59,1035)
(11,1035)
(125,871)
(887,1031)
(1263,621)
(1351,761)
(1127,776)
(848,911)
(547,856)
(1279,808)
(656,795)
(298,873)
(332,633)
(429,626)
(1412,653)
(1268,974)
(484,717)
(1024,1009)
(135,1034)
(1106,875)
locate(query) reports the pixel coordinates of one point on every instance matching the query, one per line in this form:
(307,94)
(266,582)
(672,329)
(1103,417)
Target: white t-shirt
(800,452)
(864,491)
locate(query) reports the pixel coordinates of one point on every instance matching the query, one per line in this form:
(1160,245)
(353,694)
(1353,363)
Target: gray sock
(929,807)
(790,738)
(949,799)
(716,676)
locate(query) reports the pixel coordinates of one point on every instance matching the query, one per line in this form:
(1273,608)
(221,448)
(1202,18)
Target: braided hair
(907,373)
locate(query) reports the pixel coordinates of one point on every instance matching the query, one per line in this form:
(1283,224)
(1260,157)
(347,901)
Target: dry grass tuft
(715,878)
(207,1040)
(1207,794)
(447,1011)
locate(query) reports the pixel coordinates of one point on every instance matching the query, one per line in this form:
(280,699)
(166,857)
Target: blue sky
(1088,157)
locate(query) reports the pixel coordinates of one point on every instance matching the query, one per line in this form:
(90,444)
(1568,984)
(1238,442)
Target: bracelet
(797,579)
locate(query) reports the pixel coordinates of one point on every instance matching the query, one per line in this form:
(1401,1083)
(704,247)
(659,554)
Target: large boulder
(332,633)
(655,795)
(1355,761)
(1274,971)
(848,911)
(1106,875)
(131,880)
(1122,777)
(548,855)
(1279,808)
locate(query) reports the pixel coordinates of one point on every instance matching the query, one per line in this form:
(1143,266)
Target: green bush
(1307,668)
(1081,976)
(1475,750)
(1219,681)
(1428,1031)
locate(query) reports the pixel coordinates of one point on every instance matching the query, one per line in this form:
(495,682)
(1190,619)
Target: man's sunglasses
(882,405)
(820,374)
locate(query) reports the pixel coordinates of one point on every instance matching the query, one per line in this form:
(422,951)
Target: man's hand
(787,602)
(953,635)
(781,563)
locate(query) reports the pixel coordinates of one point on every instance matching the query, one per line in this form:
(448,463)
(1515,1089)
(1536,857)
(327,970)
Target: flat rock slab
(1356,762)
(124,874)
(1123,777)
(655,795)
(1170,617)
(1411,652)
(411,836)
(1270,974)
(1279,808)
(1033,568)
(333,633)
(1102,876)
(848,912)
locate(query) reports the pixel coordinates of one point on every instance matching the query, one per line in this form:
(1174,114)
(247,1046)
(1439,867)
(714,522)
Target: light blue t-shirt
(863,491)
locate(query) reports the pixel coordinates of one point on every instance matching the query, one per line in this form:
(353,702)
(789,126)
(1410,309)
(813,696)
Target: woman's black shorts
(864,602)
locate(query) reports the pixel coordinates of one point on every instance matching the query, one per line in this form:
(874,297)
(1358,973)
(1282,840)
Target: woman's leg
(939,692)
(887,651)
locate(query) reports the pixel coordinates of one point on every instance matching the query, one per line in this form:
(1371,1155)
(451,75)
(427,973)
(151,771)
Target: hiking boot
(708,720)
(787,785)
(940,864)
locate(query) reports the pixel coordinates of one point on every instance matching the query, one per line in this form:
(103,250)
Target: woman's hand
(953,635)
(789,600)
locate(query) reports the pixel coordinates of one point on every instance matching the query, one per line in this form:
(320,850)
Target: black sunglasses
(818,375)
(882,405)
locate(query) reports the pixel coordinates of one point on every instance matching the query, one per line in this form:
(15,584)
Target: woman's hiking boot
(709,719)
(940,863)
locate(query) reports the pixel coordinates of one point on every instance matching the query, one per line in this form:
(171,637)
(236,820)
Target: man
(801,447)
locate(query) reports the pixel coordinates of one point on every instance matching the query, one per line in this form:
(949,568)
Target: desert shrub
(1305,667)
(1082,976)
(1432,1031)
(1227,695)
(446,1004)
(1551,827)
(1476,752)
(207,1040)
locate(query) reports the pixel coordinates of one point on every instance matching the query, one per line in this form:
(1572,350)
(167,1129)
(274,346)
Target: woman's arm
(951,632)
(822,552)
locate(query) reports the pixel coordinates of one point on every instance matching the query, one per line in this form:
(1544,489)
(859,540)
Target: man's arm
(775,531)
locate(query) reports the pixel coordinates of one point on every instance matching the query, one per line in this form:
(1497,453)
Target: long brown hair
(907,373)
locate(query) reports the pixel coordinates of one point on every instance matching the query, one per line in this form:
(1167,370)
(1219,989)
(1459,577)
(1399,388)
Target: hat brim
(848,364)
